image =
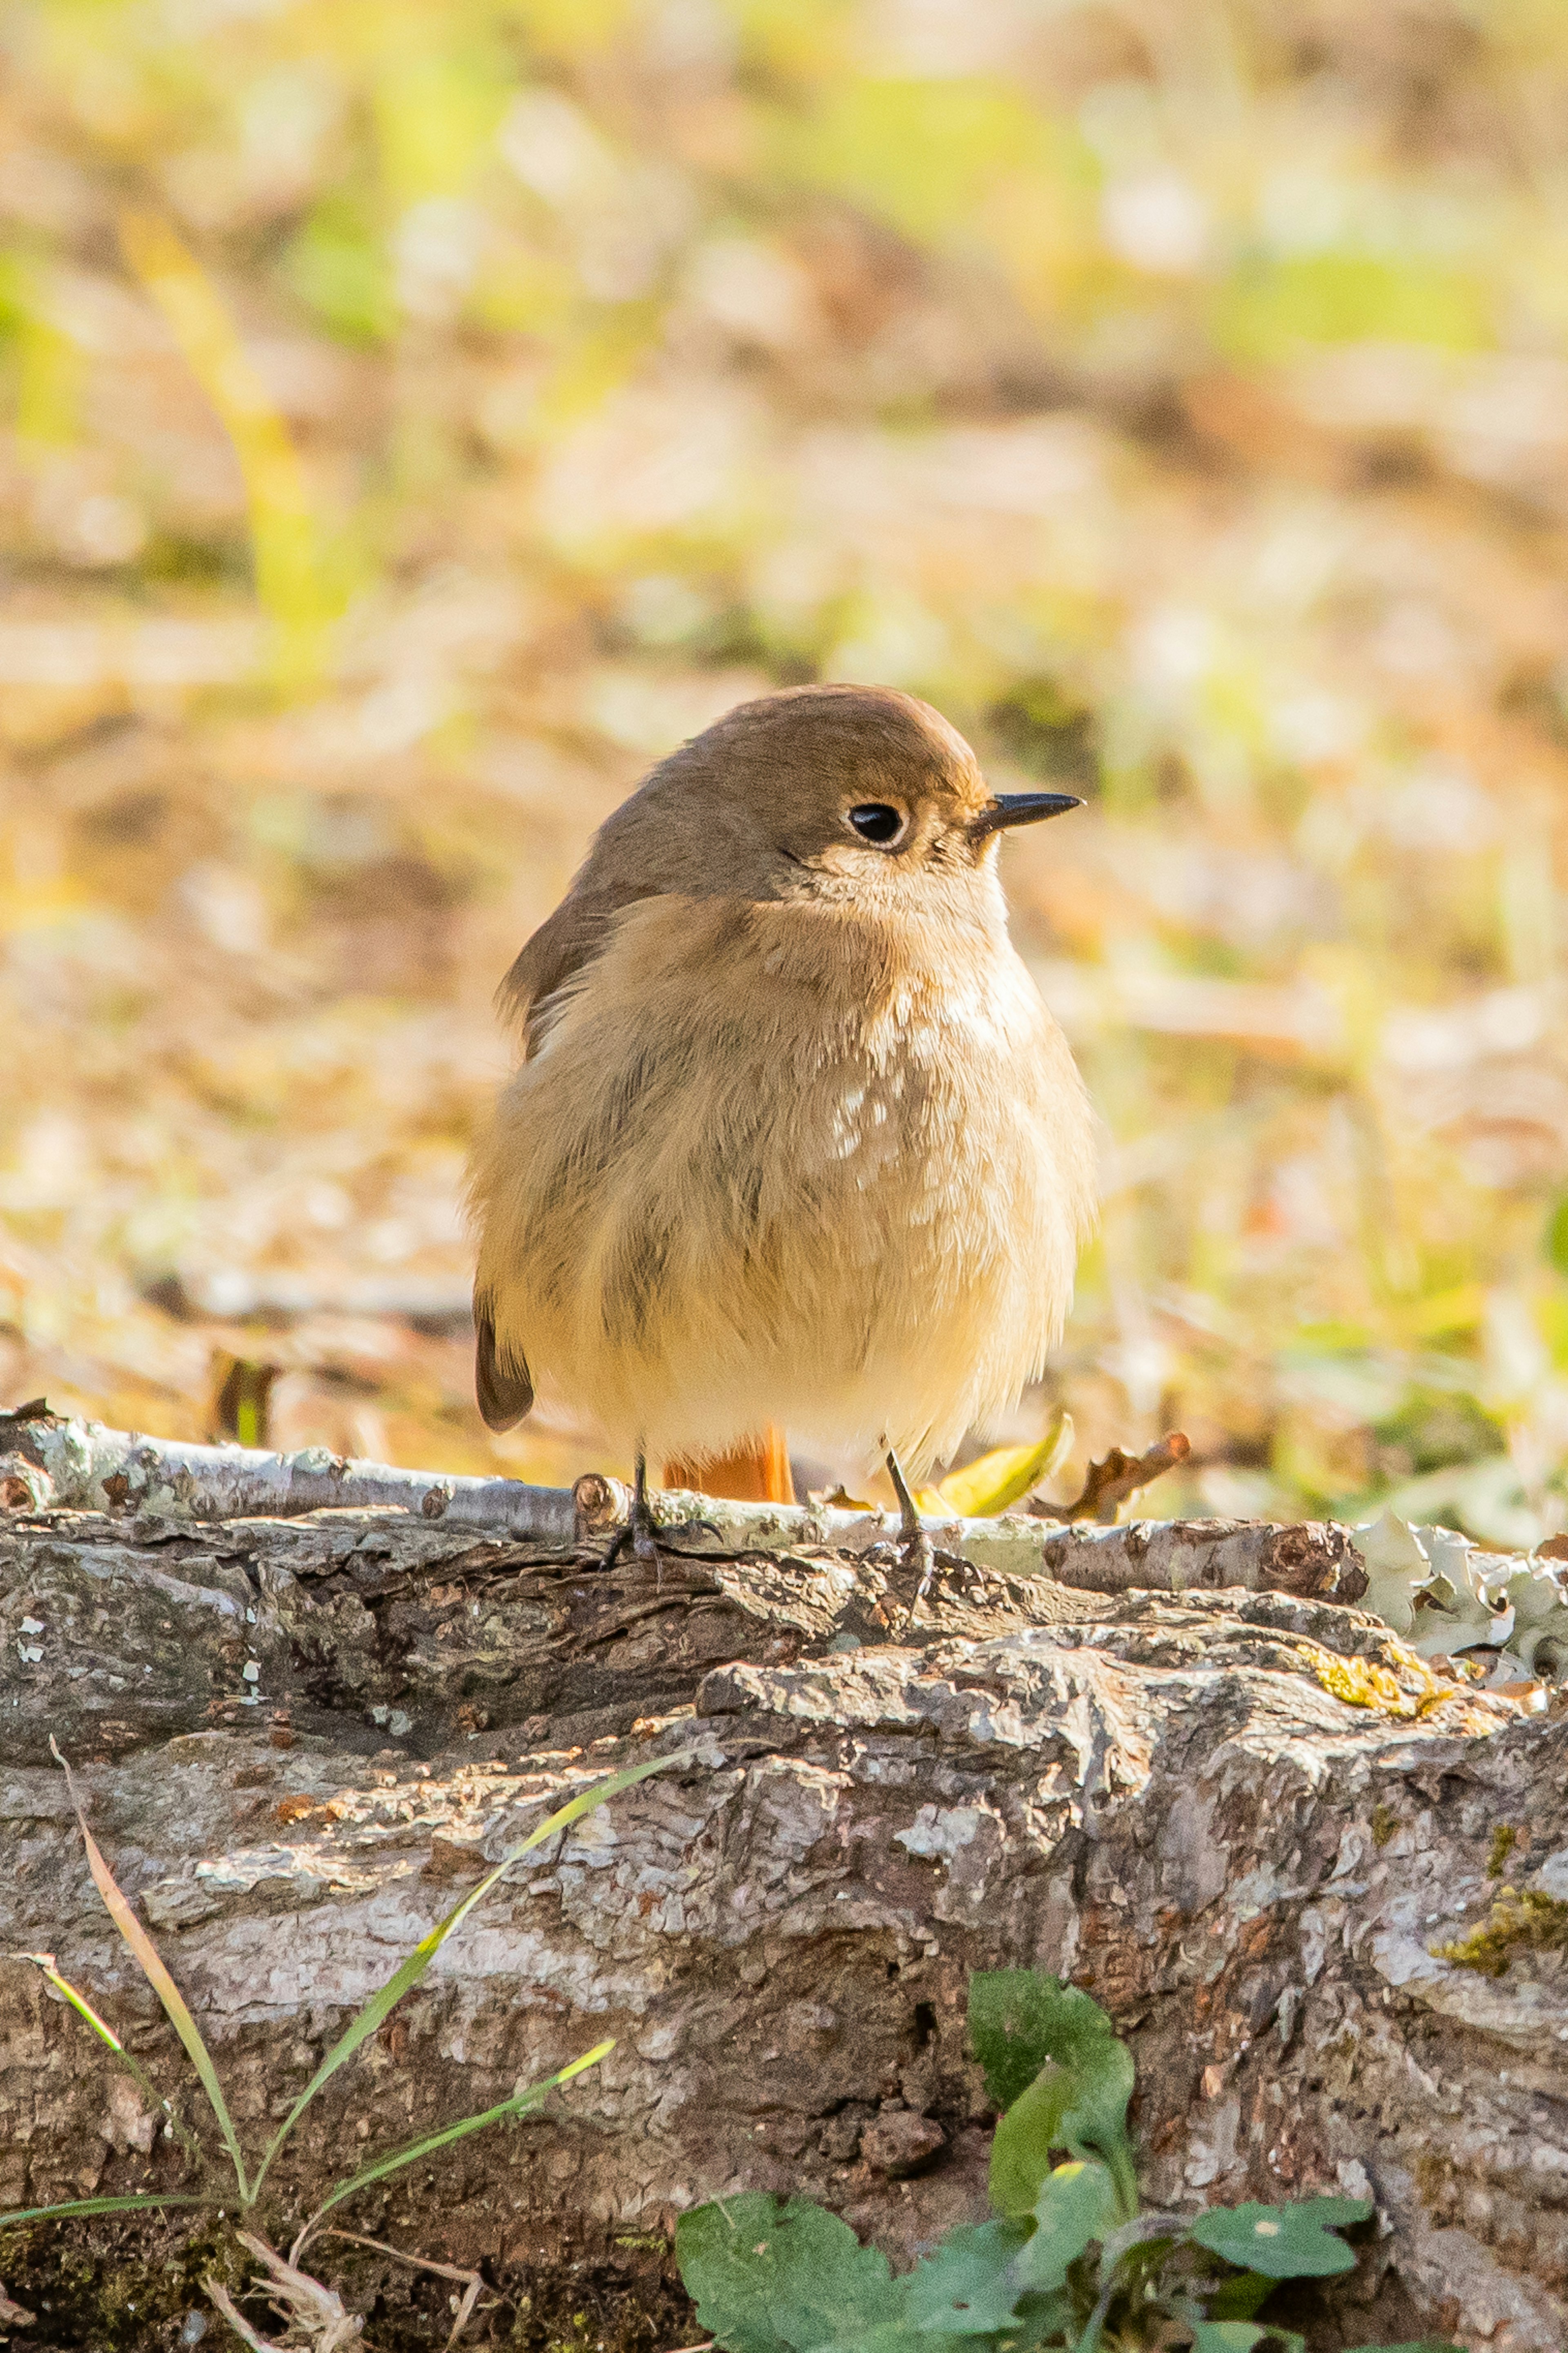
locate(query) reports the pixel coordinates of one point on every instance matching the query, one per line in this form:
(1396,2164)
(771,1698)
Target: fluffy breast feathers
(781,1162)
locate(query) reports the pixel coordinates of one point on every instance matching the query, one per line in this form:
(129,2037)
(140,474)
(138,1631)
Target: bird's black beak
(1021,808)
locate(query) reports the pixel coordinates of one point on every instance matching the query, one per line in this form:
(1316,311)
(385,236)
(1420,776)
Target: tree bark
(1166,1795)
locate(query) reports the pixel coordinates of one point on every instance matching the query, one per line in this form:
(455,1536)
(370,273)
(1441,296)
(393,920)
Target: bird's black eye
(877,822)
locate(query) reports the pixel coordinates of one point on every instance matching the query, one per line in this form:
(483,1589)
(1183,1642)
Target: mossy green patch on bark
(1519,1921)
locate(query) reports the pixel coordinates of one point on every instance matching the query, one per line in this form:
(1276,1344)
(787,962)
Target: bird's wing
(563,946)
(505,1392)
(558,950)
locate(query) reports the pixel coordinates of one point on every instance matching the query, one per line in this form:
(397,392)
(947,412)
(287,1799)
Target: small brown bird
(794,1140)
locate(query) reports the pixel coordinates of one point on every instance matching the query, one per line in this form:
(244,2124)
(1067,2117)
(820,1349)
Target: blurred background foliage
(417,417)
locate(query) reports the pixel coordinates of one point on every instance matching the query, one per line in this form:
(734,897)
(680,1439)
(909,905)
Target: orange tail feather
(756,1473)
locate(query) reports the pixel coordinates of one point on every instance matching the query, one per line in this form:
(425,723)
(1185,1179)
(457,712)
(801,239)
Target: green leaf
(1048,2051)
(1096,2126)
(128,2205)
(1241,2336)
(412,1969)
(1020,2017)
(133,2065)
(1077,2205)
(926,152)
(520,2104)
(772,2278)
(149,1960)
(1027,2139)
(1238,2298)
(434,110)
(1268,307)
(982,1489)
(1554,1249)
(965,2287)
(895,2336)
(1282,2242)
(337,266)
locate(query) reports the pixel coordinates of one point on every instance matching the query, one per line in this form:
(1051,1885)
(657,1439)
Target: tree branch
(50,1463)
(46,1459)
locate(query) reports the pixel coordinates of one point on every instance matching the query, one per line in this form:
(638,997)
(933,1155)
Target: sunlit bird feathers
(795,1139)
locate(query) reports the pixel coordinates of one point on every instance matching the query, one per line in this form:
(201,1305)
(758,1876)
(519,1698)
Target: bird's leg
(640,1534)
(645,1535)
(914,1543)
(915,1547)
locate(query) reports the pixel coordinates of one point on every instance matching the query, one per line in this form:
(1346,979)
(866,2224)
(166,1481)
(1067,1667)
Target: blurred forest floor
(418,418)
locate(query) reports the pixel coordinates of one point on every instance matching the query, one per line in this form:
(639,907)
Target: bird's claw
(638,1541)
(914,1550)
(935,1557)
(915,1554)
(639,1535)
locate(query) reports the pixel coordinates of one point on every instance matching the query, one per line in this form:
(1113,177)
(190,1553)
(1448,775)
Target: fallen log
(1276,1845)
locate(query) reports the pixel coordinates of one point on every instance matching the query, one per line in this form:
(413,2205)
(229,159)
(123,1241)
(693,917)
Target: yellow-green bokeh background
(415,417)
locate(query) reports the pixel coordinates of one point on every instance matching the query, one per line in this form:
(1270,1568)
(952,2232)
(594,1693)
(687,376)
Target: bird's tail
(755,1472)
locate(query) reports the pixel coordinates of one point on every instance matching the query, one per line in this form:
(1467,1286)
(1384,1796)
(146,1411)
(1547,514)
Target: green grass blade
(84,2009)
(105,2032)
(519,2105)
(150,1962)
(409,1971)
(129,2205)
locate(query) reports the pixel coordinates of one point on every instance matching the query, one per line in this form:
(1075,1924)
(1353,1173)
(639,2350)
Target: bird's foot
(924,1558)
(639,1536)
(974,1576)
(915,1555)
(638,1539)
(913,1550)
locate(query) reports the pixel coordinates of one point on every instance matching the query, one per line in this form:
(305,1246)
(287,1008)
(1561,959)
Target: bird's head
(857,794)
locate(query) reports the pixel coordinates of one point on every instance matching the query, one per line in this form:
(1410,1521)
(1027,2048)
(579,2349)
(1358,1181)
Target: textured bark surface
(1167,1796)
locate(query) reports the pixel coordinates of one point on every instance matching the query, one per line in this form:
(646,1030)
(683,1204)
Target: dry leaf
(1118,1475)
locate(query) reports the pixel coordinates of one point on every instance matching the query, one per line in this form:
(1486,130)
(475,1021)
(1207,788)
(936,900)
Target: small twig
(1120,1474)
(237,2320)
(473,2284)
(88,1468)
(465,2310)
(418,2263)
